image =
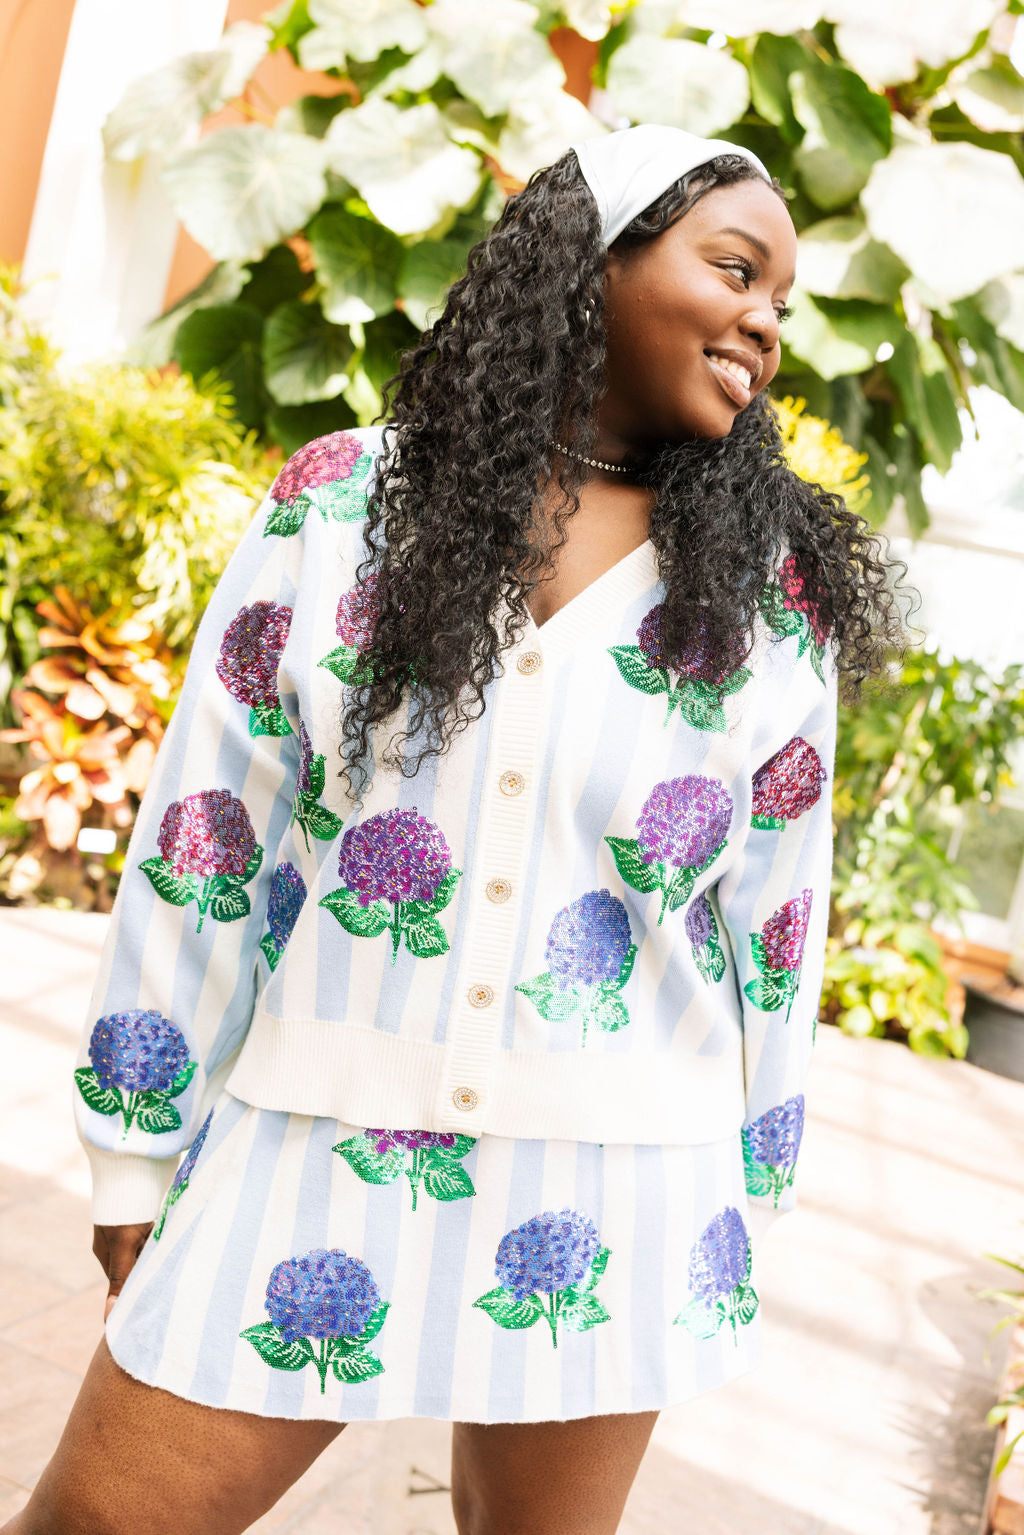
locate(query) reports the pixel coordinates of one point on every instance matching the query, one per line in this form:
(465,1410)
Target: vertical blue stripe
(652,1310)
(579,1349)
(446,1300)
(508,1358)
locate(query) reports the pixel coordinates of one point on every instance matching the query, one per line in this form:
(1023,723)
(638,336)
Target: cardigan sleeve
(775,907)
(177,980)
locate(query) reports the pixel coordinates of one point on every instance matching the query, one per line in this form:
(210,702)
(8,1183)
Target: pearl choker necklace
(596,462)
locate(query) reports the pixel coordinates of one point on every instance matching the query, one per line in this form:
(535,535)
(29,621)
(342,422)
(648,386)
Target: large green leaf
(357,260)
(343,31)
(292,426)
(537,131)
(304,357)
(312,114)
(999,364)
(678,82)
(428,271)
(155,347)
(241,190)
(384,341)
(159,110)
(402,162)
(992,97)
(953,212)
(772,61)
(837,336)
(922,376)
(847,128)
(839,259)
(275,279)
(226,338)
(499,62)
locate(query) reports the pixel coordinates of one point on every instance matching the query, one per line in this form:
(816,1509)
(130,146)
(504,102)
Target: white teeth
(736,369)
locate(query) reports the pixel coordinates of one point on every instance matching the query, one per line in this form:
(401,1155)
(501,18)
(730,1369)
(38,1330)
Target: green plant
(1015,1397)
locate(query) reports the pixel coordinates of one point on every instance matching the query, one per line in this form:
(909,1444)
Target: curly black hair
(455,538)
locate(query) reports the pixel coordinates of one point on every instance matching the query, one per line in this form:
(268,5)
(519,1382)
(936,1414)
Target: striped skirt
(304,1268)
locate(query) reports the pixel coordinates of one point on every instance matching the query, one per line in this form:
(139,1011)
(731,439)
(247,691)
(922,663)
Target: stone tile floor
(866,1416)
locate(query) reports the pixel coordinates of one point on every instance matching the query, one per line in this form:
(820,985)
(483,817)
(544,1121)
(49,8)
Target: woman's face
(692,317)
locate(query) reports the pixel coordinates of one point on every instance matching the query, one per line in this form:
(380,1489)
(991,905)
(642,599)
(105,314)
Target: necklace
(596,462)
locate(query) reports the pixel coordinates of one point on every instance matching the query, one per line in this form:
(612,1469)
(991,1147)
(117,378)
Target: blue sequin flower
(137,1051)
(325,1294)
(550,1252)
(287,894)
(774,1137)
(188,1165)
(700,921)
(588,940)
(720,1257)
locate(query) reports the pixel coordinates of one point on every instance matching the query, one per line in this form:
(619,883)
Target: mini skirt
(306,1268)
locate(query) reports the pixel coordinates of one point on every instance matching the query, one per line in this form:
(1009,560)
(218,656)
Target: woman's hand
(117,1248)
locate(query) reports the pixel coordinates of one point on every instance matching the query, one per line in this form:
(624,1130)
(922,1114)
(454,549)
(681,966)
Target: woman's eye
(784,313)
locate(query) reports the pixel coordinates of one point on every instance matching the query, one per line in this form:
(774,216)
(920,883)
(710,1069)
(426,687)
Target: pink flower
(207,833)
(251,650)
(790,782)
(357,613)
(797,599)
(698,662)
(326,458)
(785,932)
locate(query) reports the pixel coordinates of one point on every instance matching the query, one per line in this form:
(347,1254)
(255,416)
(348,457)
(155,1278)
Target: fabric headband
(627,169)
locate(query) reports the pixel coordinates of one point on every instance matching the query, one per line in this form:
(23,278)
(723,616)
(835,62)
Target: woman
(511,835)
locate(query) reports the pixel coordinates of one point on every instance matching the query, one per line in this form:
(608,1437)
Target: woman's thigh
(136,1459)
(568,1478)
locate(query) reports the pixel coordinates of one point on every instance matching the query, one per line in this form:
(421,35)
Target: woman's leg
(546,1478)
(134,1460)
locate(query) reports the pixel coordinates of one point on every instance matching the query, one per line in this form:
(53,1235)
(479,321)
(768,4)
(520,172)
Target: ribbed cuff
(127,1190)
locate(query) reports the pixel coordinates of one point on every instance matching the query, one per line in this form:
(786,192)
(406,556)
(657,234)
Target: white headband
(626,170)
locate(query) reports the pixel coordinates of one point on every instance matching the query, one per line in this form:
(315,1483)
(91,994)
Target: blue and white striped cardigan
(601,916)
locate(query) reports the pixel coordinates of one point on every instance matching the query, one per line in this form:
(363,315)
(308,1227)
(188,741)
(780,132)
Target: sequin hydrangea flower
(557,1255)
(324,1297)
(182,1176)
(705,944)
(208,854)
(720,1288)
(771,1144)
(287,895)
(250,654)
(139,1062)
(429,1159)
(590,956)
(681,830)
(778,951)
(786,785)
(328,475)
(312,817)
(396,872)
(789,609)
(355,622)
(695,683)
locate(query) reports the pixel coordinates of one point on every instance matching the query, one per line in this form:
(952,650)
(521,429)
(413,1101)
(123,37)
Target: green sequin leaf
(634,669)
(758,953)
(745,1302)
(597,1267)
(583,1314)
(816,662)
(269,720)
(267,1341)
(783,620)
(607,1012)
(710,961)
(553,1004)
(340,661)
(269,947)
(323,823)
(735,680)
(182,1080)
(158,1119)
(374,1322)
(370,1165)
(768,992)
(768,822)
(317,776)
(447,1181)
(626,968)
(446,889)
(700,705)
(361,921)
(359,1366)
(102,1100)
(284,520)
(230,904)
(632,869)
(508,1312)
(176,889)
(252,868)
(701,1320)
(461,1147)
(425,939)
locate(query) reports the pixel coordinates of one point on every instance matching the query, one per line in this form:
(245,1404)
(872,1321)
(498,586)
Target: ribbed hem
(127,1190)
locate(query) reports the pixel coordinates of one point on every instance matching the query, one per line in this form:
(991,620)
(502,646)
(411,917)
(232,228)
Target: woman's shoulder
(327,480)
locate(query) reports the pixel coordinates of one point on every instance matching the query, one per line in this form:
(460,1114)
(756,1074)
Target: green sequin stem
(128,1110)
(302,827)
(205,896)
(551,1317)
(415,1174)
(321,1365)
(396,931)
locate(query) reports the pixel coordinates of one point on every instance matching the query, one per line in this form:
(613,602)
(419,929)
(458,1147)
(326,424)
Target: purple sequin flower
(207,833)
(139,1051)
(357,613)
(550,1252)
(287,893)
(698,662)
(774,1138)
(397,855)
(790,782)
(327,458)
(718,1258)
(588,940)
(785,932)
(305,759)
(188,1166)
(251,651)
(684,821)
(325,1294)
(409,1140)
(700,921)
(797,598)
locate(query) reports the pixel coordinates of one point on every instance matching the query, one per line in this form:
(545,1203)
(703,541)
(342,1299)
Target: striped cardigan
(601,916)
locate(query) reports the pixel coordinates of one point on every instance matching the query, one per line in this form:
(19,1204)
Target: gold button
(511,782)
(498,890)
(464,1098)
(480,996)
(529,662)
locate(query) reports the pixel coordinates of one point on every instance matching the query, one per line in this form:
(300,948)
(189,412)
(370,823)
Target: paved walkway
(865,1418)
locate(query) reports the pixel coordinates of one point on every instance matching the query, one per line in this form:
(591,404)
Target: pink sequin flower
(684,821)
(785,932)
(409,1140)
(251,651)
(397,855)
(327,458)
(797,599)
(207,833)
(790,782)
(357,613)
(698,663)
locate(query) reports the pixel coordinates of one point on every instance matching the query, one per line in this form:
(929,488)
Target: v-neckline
(619,578)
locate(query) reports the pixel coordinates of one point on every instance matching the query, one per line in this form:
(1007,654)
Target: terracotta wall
(33,34)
